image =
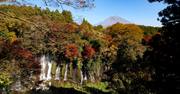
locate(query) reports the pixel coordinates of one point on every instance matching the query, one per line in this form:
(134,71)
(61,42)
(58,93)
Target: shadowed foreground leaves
(55,90)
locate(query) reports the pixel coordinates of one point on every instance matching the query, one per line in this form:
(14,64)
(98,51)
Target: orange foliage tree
(71,51)
(88,52)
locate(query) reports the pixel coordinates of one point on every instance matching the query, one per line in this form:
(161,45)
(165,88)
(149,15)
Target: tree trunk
(74,74)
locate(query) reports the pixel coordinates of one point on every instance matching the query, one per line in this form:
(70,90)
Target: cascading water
(85,77)
(17,85)
(43,67)
(49,68)
(46,66)
(46,69)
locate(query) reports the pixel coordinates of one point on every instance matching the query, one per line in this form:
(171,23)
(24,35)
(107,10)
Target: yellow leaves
(113,49)
(8,36)
(7,30)
(130,42)
(1,41)
(5,79)
(12,36)
(128,31)
(127,37)
(70,27)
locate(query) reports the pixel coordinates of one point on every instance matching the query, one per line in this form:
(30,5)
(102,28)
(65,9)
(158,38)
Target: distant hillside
(113,20)
(149,30)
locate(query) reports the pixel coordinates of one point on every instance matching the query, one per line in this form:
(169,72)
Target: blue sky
(136,11)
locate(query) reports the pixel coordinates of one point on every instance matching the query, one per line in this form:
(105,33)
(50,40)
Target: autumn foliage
(70,28)
(88,51)
(26,54)
(71,50)
(25,40)
(55,26)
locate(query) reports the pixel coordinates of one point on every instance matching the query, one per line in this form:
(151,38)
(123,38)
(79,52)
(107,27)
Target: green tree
(86,26)
(149,30)
(124,72)
(99,28)
(67,15)
(165,54)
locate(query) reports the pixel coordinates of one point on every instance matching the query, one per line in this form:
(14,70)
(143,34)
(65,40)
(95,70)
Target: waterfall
(43,67)
(65,74)
(46,66)
(17,85)
(49,70)
(57,75)
(85,77)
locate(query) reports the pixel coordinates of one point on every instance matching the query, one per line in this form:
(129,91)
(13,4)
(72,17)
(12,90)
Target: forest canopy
(38,46)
